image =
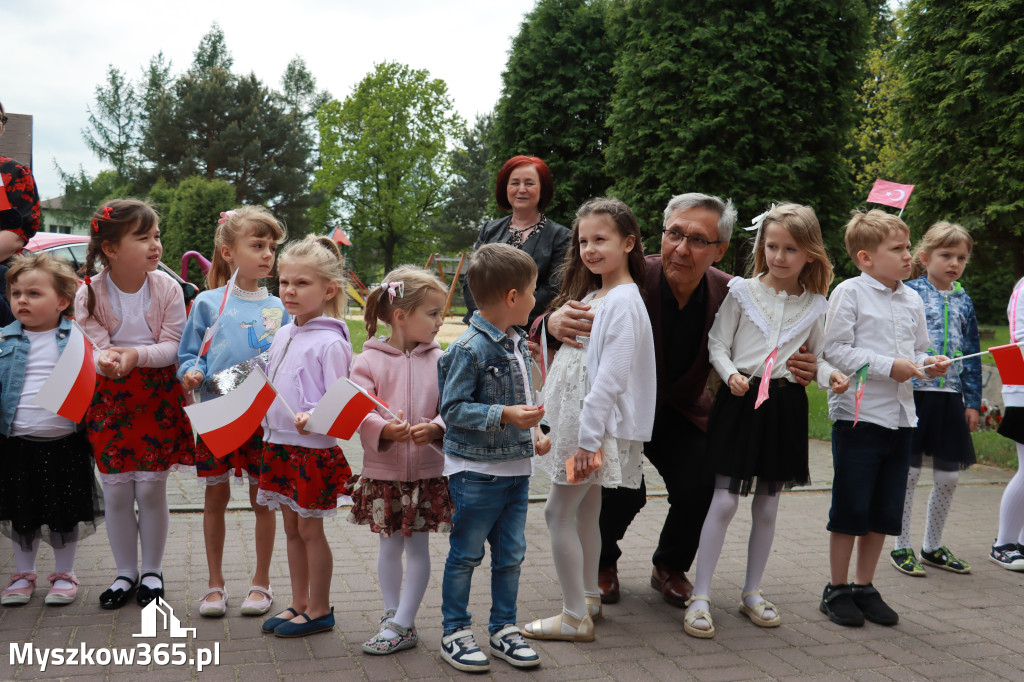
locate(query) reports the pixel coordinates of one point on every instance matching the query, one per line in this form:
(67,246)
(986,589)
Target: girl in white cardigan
(600,404)
(782,307)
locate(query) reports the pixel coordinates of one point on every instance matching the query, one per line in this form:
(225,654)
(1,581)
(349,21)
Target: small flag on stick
(1010,364)
(225,423)
(858,395)
(890,193)
(766,377)
(342,409)
(69,389)
(208,337)
(5,203)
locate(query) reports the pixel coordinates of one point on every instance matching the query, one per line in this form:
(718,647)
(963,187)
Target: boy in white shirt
(872,320)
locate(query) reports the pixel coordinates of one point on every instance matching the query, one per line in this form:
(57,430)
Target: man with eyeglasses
(683,295)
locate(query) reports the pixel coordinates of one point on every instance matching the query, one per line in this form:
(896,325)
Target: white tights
(404,599)
(572,513)
(939,503)
(125,532)
(763,511)
(1011,509)
(25,560)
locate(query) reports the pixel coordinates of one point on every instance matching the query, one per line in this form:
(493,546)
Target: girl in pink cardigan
(401,493)
(134,315)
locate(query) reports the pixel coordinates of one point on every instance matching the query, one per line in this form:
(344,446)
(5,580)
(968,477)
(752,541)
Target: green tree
(189,218)
(751,101)
(113,132)
(385,163)
(555,99)
(471,193)
(963,118)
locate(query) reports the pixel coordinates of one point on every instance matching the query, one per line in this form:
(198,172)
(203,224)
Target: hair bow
(224,215)
(758,222)
(107,211)
(87,280)
(394,288)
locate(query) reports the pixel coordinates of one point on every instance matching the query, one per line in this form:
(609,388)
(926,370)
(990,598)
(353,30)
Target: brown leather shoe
(608,583)
(673,585)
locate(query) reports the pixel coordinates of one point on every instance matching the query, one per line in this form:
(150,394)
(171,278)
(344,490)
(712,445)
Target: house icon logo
(158,608)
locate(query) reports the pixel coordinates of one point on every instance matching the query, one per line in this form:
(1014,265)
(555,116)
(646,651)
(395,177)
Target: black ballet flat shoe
(147,594)
(115,599)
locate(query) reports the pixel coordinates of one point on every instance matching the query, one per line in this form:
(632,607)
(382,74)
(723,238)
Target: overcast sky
(57,51)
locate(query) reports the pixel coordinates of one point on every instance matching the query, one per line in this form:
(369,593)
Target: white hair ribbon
(758,222)
(394,288)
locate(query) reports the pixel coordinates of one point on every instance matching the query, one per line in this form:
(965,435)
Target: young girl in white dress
(600,404)
(782,306)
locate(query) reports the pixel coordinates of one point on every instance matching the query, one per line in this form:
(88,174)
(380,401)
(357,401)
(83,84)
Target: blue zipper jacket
(953,330)
(14,347)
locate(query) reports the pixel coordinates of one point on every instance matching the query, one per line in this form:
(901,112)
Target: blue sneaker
(460,649)
(508,643)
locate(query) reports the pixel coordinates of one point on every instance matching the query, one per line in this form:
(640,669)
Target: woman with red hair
(524,188)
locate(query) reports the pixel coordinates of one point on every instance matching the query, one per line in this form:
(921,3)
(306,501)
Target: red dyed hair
(547,185)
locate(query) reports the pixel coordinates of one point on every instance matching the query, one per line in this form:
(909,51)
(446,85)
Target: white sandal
(217,608)
(258,607)
(756,612)
(698,614)
(551,628)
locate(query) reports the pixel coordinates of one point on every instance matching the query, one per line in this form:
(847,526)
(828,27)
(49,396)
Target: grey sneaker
(460,649)
(508,643)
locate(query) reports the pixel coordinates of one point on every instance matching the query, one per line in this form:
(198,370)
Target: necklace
(517,232)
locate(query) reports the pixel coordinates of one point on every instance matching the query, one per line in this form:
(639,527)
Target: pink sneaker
(58,596)
(16,596)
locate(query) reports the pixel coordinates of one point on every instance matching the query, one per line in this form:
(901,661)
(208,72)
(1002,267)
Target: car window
(64,253)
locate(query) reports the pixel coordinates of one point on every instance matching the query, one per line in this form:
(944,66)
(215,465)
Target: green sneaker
(906,561)
(946,560)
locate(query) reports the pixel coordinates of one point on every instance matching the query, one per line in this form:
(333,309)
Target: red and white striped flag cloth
(225,423)
(69,390)
(342,409)
(208,337)
(5,203)
(766,377)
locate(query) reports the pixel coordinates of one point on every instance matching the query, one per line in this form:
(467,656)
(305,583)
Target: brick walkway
(951,626)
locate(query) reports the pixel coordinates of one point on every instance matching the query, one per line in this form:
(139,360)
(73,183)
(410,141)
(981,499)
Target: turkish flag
(890,194)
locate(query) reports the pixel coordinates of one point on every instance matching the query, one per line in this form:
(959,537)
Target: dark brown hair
(111,223)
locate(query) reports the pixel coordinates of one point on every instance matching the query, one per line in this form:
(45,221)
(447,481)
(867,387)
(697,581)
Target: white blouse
(754,319)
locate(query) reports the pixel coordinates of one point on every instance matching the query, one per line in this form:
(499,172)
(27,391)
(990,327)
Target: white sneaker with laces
(509,644)
(461,651)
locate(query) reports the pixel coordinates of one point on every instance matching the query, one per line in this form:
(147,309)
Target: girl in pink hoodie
(401,493)
(303,473)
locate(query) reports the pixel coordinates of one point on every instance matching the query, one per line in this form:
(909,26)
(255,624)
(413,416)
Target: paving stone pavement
(952,626)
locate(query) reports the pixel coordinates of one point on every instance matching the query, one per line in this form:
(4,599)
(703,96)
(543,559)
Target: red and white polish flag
(226,423)
(5,203)
(1010,363)
(342,409)
(69,390)
(766,378)
(890,193)
(208,336)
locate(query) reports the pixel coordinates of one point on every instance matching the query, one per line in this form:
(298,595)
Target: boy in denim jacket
(486,403)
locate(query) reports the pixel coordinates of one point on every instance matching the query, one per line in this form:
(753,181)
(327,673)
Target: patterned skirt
(308,481)
(48,490)
(137,428)
(243,463)
(405,507)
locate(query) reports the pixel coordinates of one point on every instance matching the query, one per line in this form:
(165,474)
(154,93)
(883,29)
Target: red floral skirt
(242,463)
(136,426)
(405,507)
(308,481)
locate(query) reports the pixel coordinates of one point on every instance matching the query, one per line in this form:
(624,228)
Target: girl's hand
(397,430)
(522,416)
(904,370)
(425,433)
(128,360)
(301,419)
(838,383)
(738,384)
(108,363)
(192,379)
(972,418)
(936,365)
(541,444)
(584,463)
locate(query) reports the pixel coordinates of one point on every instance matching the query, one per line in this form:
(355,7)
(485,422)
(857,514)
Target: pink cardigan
(165,317)
(407,382)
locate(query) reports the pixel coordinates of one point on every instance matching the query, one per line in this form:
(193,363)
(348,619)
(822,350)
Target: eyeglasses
(3,120)
(696,243)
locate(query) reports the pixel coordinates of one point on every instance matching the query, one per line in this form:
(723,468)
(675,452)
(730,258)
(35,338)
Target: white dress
(564,390)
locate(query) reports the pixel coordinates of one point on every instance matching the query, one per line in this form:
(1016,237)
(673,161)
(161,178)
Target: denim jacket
(13,358)
(477,377)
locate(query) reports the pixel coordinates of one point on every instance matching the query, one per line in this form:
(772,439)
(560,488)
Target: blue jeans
(491,508)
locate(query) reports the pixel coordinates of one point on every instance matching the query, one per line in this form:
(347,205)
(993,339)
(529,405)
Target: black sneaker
(837,603)
(1009,556)
(460,649)
(870,603)
(508,643)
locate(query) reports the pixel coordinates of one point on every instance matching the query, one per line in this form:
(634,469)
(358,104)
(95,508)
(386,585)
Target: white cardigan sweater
(621,371)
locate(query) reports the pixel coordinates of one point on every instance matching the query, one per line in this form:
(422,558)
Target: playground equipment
(204,264)
(356,290)
(445,269)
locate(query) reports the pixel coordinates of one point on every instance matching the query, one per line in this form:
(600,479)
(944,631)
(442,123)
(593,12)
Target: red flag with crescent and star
(890,193)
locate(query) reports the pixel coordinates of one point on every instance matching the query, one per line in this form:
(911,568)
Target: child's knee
(216,498)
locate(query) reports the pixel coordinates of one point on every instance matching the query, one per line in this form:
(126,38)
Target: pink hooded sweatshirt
(304,361)
(407,382)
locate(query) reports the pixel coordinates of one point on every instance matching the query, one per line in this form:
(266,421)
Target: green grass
(357,334)
(989,446)
(1002,338)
